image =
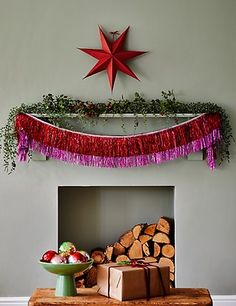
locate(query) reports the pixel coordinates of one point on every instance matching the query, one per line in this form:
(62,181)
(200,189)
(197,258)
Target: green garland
(57,107)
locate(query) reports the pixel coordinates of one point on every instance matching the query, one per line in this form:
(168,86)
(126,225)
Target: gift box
(125,282)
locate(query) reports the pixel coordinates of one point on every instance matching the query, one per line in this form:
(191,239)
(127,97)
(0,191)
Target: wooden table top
(89,297)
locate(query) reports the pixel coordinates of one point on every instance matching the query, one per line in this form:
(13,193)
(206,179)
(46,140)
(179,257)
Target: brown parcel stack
(127,283)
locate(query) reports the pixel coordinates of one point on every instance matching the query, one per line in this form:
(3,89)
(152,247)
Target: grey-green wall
(192,50)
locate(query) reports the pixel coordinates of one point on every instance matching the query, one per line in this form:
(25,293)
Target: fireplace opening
(94,217)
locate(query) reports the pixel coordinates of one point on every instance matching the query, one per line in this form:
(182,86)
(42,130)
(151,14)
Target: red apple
(47,256)
(76,257)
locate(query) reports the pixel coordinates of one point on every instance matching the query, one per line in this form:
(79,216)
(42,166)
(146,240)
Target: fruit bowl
(65,275)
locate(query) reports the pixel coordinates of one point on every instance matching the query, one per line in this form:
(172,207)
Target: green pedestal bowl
(65,276)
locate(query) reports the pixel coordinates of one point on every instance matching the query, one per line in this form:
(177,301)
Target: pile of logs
(149,242)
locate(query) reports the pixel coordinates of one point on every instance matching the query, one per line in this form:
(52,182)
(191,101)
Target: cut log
(168,251)
(118,249)
(122,258)
(137,230)
(146,249)
(144,238)
(127,239)
(135,251)
(167,262)
(90,278)
(163,225)
(150,229)
(98,256)
(109,252)
(172,276)
(161,238)
(157,249)
(149,259)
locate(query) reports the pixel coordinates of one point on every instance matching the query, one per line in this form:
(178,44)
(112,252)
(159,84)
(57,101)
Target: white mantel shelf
(126,115)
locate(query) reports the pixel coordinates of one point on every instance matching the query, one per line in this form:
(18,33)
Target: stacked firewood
(149,242)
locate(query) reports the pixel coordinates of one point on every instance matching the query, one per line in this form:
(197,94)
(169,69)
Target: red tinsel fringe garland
(117,146)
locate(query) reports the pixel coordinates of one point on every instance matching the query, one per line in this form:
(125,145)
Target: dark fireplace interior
(96,216)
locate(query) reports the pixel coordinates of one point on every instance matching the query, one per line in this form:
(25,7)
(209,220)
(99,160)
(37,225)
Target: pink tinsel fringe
(121,162)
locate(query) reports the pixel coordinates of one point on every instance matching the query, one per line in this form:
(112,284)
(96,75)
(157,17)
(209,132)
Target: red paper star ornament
(112,57)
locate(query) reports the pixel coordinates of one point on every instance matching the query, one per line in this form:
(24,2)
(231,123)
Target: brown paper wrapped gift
(124,282)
